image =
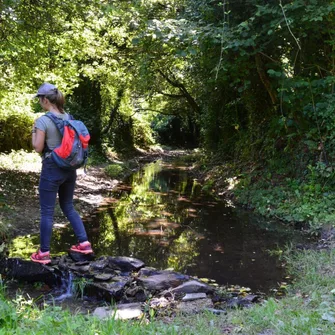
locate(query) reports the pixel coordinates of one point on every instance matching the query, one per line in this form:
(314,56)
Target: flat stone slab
(99,264)
(193,286)
(126,264)
(104,276)
(162,281)
(194,296)
(122,311)
(79,257)
(106,290)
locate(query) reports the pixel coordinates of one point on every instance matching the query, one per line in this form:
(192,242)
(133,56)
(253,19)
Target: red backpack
(72,153)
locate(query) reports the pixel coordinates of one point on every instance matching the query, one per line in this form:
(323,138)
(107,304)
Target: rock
(102,312)
(251,298)
(195,306)
(107,291)
(237,302)
(132,291)
(125,264)
(82,263)
(193,286)
(128,311)
(159,302)
(80,269)
(194,296)
(103,276)
(29,271)
(216,311)
(148,271)
(121,279)
(100,264)
(162,281)
(123,312)
(63,262)
(79,257)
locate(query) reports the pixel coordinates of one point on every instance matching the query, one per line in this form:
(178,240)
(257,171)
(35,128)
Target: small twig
(267,56)
(221,53)
(288,25)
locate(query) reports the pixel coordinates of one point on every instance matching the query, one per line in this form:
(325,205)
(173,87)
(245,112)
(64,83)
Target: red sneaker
(41,257)
(84,248)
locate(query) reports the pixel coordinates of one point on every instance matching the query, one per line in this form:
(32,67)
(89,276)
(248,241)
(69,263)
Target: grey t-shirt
(53,137)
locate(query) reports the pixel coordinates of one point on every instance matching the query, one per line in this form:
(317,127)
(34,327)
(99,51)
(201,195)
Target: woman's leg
(48,188)
(65,193)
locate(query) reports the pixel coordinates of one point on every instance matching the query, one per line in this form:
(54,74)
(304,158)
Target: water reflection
(161,217)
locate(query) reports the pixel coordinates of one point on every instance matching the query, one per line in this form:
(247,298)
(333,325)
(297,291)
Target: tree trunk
(265,79)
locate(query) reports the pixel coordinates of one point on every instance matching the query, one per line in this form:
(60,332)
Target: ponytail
(56,97)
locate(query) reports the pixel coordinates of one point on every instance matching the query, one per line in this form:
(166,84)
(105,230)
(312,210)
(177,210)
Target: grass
(308,307)
(21,317)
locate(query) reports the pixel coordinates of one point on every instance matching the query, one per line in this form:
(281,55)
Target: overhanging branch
(182,89)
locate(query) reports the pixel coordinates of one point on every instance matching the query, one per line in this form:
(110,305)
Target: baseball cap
(46,89)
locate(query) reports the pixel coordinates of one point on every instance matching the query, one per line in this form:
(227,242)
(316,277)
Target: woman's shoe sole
(41,261)
(85,252)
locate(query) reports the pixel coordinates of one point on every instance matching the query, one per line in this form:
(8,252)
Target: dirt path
(19,203)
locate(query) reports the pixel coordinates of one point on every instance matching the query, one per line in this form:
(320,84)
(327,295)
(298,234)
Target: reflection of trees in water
(152,223)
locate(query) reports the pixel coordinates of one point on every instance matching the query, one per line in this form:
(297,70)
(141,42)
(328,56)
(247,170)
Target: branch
(267,56)
(155,111)
(176,96)
(183,90)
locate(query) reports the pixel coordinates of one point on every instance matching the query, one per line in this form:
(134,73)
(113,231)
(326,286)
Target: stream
(161,216)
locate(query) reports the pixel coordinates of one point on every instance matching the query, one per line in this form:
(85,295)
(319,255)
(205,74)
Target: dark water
(161,216)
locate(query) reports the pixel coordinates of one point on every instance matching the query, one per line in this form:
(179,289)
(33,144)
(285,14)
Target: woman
(53,180)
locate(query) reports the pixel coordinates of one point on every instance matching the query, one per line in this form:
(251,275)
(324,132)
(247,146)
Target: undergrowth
(309,201)
(305,197)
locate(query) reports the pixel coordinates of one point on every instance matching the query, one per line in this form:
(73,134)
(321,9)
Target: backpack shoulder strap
(59,123)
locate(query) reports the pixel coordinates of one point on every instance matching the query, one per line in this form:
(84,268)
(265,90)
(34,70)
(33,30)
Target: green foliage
(219,76)
(310,201)
(251,82)
(208,186)
(20,160)
(142,133)
(96,157)
(15,131)
(114,170)
(78,286)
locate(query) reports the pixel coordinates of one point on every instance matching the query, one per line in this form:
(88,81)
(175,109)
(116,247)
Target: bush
(15,132)
(114,170)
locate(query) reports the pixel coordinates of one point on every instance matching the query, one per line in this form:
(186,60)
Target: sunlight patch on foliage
(20,160)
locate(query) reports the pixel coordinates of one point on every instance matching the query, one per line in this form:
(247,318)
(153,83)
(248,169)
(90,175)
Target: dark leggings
(55,180)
